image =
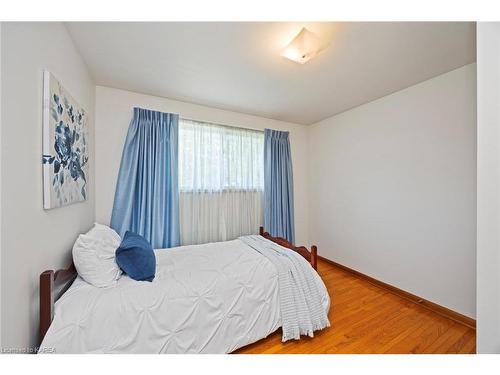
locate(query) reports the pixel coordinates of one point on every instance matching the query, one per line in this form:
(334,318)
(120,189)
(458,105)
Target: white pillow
(94,256)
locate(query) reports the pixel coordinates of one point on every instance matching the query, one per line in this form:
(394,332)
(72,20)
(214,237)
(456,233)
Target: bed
(211,298)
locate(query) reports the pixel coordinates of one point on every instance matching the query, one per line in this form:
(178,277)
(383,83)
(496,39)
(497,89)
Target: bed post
(46,303)
(314,257)
(261,231)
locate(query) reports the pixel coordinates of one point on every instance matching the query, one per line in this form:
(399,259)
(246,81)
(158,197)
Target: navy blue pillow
(136,257)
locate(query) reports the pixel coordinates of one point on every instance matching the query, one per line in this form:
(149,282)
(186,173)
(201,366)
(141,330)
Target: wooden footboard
(311,256)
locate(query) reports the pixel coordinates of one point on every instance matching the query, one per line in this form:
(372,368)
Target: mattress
(211,298)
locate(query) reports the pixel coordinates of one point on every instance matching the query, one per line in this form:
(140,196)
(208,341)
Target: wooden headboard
(53,284)
(52,287)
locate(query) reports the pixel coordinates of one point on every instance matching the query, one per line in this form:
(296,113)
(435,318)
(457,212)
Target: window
(221,180)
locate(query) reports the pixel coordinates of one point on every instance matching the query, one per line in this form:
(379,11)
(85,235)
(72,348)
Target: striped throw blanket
(301,310)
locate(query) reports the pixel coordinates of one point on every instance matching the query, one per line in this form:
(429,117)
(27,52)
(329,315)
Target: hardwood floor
(368,319)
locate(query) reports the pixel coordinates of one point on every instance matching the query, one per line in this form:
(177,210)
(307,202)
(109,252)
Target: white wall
(33,239)
(393,189)
(488,188)
(113,115)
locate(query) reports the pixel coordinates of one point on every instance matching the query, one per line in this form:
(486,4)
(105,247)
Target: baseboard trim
(441,310)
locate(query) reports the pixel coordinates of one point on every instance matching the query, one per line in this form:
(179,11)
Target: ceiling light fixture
(303,47)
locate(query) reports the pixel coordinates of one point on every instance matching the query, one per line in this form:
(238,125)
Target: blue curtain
(147,191)
(278,185)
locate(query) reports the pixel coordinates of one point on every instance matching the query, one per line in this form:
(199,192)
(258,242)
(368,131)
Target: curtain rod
(207,122)
(218,124)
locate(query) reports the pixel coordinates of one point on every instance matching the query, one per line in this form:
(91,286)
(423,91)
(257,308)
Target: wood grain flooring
(367,319)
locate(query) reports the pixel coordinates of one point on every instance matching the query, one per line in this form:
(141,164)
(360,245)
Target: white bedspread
(212,298)
(300,298)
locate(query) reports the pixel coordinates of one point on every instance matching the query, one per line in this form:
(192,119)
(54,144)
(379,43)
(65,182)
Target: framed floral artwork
(65,146)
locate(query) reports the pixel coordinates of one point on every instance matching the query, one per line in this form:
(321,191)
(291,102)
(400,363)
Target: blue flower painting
(65,149)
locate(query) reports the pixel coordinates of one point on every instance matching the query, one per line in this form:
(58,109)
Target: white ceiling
(238,67)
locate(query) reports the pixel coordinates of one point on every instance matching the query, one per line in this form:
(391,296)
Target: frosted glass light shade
(303,47)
